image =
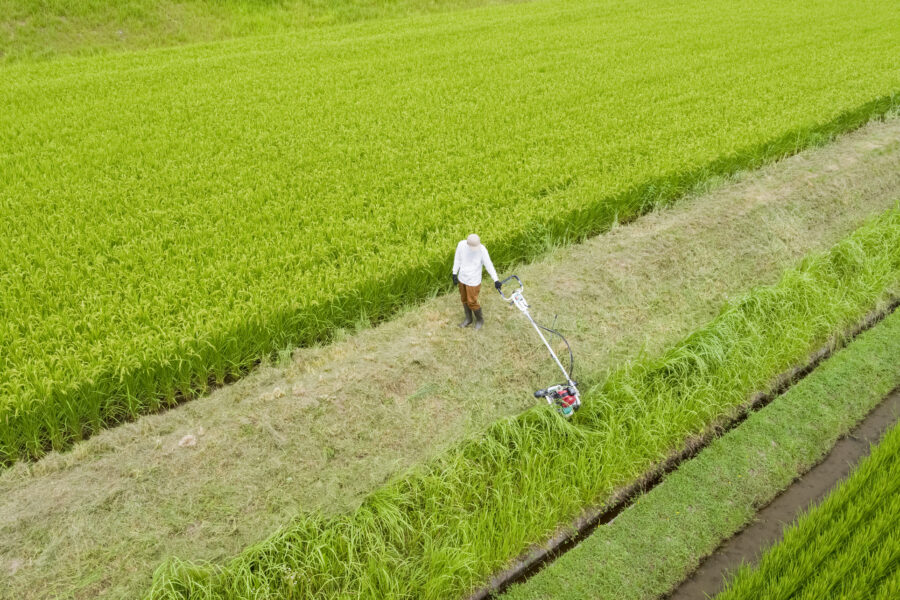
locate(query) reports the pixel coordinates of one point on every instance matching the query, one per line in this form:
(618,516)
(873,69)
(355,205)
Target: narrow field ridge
(847,547)
(767,527)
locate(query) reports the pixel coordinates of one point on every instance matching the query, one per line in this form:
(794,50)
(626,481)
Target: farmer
(470,257)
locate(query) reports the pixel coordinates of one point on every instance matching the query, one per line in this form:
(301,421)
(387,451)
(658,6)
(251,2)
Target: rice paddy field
(170,217)
(246,182)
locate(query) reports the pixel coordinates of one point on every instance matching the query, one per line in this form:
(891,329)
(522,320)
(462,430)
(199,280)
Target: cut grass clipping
(168,218)
(847,547)
(712,496)
(441,530)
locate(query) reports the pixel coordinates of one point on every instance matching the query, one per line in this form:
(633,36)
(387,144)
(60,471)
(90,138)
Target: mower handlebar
(502,283)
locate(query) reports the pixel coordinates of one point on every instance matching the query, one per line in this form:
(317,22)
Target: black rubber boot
(468,320)
(479,319)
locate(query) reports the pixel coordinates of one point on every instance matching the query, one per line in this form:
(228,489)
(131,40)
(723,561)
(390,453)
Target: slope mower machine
(564,397)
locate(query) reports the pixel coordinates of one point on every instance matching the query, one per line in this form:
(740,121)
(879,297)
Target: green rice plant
(846,547)
(168,218)
(442,529)
(889,588)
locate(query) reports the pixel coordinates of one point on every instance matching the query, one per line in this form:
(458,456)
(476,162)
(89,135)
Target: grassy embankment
(41,29)
(712,496)
(260,193)
(443,528)
(846,547)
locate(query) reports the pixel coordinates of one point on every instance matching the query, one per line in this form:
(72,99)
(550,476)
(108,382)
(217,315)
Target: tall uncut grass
(441,530)
(169,217)
(846,547)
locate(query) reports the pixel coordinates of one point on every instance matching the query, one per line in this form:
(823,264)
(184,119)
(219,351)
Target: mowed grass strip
(442,529)
(846,547)
(715,494)
(167,218)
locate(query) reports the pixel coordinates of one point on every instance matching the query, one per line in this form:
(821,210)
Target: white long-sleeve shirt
(468,262)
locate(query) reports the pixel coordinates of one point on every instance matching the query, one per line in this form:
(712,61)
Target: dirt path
(330,424)
(748,545)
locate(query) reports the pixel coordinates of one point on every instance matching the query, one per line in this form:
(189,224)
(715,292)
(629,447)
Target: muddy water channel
(748,545)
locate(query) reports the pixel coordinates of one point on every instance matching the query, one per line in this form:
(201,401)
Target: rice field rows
(442,529)
(846,547)
(169,217)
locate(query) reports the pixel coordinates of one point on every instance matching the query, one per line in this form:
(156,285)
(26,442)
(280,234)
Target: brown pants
(469,295)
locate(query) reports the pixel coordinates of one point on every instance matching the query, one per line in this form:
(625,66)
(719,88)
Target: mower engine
(564,397)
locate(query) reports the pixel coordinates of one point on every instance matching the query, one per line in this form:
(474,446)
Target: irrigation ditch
(746,546)
(569,536)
